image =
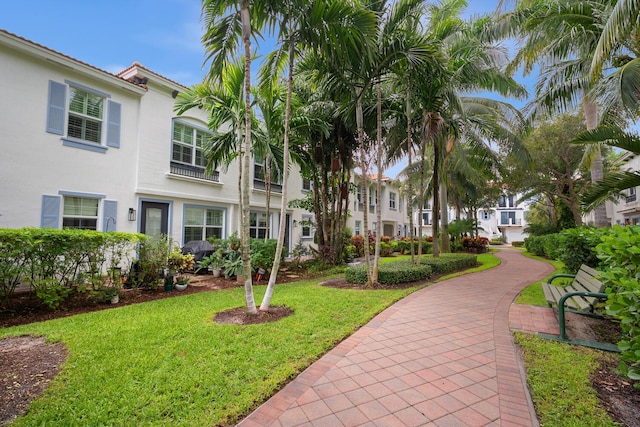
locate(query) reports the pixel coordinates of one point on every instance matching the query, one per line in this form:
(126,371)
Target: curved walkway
(443,356)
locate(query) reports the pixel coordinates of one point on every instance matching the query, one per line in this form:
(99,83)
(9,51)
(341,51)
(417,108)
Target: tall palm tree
(225,24)
(303,24)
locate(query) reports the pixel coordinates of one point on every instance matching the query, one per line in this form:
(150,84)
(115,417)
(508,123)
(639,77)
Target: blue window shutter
(57,104)
(109,215)
(50,214)
(113,124)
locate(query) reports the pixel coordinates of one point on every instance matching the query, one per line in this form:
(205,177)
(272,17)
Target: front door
(154,219)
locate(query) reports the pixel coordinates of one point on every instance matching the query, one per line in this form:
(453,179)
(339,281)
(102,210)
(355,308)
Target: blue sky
(162,35)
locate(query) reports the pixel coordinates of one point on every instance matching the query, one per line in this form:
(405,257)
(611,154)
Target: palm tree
(567,39)
(226,23)
(303,24)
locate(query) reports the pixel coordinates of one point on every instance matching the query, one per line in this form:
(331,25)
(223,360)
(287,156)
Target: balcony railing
(372,208)
(511,221)
(193,172)
(260,184)
(631,198)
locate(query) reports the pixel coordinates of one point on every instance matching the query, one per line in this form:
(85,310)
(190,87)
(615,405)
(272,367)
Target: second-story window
(85,115)
(188,143)
(306,184)
(506,201)
(392,201)
(260,175)
(631,195)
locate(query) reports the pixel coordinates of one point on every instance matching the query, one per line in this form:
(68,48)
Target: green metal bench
(579,297)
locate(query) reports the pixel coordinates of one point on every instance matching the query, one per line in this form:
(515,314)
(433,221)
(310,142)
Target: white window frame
(195,145)
(82,216)
(392,201)
(308,228)
(307,185)
(425,215)
(254,230)
(358,228)
(84,116)
(204,227)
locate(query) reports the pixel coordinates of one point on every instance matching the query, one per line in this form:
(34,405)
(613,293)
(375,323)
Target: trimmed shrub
(448,263)
(263,253)
(392,273)
(516,244)
(551,245)
(534,244)
(576,246)
(386,249)
(53,261)
(472,244)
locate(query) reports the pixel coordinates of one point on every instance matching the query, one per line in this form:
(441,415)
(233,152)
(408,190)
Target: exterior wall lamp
(132,214)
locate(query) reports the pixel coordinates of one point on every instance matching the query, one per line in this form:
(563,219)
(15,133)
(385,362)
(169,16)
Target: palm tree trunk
(436,199)
(409,168)
(376,258)
(445,246)
(267,184)
(365,184)
(244,234)
(597,168)
(266,301)
(421,203)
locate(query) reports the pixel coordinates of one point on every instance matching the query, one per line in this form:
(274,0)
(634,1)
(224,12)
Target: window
(85,115)
(202,223)
(425,218)
(188,143)
(631,195)
(506,201)
(306,184)
(259,177)
(426,205)
(258,225)
(508,218)
(359,196)
(80,212)
(392,201)
(358,229)
(85,118)
(306,224)
(486,215)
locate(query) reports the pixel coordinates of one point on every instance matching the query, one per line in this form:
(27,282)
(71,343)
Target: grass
(532,294)
(166,363)
(558,376)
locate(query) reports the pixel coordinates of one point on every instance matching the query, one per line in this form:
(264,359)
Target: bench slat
(585,281)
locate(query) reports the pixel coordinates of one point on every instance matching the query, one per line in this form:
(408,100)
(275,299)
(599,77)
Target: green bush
(551,245)
(533,244)
(53,261)
(517,244)
(620,256)
(576,246)
(386,249)
(263,253)
(448,263)
(392,273)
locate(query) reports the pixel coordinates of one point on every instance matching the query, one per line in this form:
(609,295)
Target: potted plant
(213,262)
(182,282)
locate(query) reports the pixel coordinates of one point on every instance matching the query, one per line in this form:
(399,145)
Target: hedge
(404,271)
(52,261)
(392,273)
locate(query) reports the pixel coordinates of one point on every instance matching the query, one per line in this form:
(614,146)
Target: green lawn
(166,363)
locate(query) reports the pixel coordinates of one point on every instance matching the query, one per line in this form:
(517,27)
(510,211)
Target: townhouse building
(626,210)
(85,148)
(506,220)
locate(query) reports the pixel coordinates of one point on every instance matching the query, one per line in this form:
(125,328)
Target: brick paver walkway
(443,356)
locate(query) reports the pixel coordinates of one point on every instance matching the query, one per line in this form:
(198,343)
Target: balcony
(511,222)
(631,198)
(190,171)
(259,184)
(372,208)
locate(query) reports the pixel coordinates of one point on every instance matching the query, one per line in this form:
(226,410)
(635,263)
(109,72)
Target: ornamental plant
(620,256)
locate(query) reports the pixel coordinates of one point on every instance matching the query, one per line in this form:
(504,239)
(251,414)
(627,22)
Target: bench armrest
(561,275)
